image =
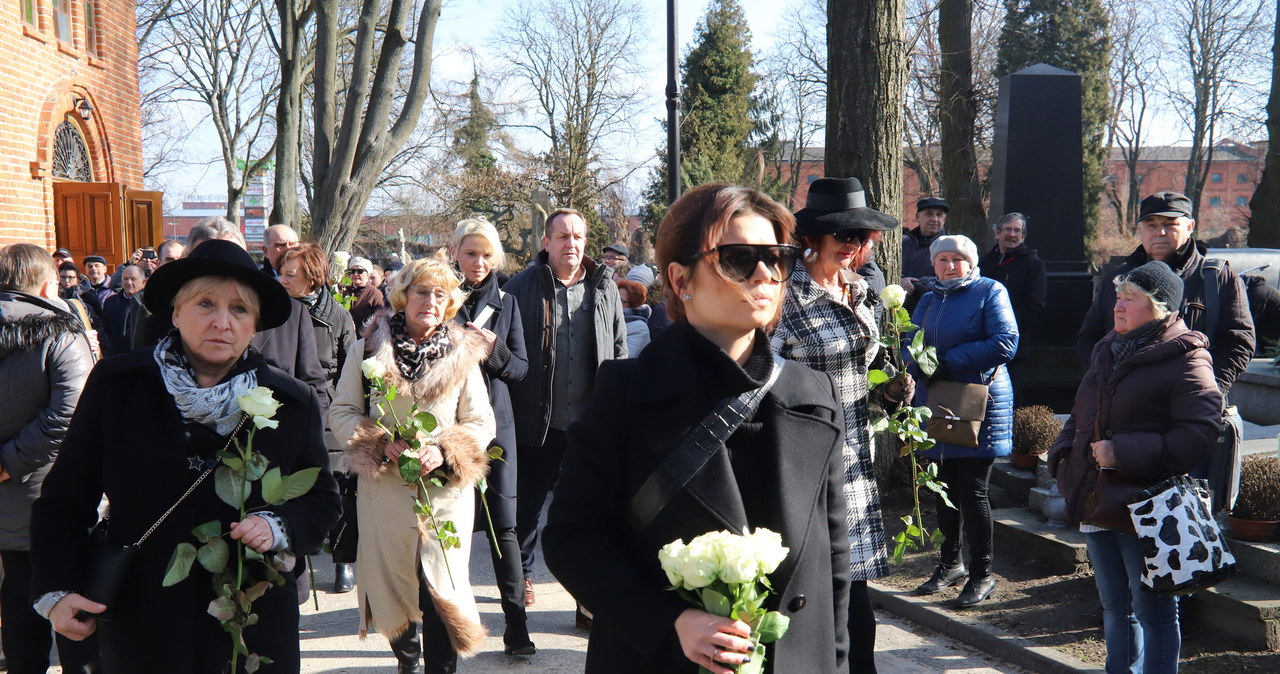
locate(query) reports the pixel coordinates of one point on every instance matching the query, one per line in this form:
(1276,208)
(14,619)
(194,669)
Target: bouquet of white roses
(727,574)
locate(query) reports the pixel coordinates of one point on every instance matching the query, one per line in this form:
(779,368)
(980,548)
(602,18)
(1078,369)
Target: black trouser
(967,481)
(862,630)
(536,474)
(437,650)
(27,637)
(510,579)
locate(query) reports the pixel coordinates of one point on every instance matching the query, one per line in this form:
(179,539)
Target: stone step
(1247,605)
(1014,480)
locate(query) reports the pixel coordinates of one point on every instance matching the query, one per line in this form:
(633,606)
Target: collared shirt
(575,357)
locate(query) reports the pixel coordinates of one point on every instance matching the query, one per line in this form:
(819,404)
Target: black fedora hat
(837,204)
(217,257)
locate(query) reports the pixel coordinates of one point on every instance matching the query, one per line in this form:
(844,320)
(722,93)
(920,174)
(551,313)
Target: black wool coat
(507,364)
(128,442)
(1022,273)
(641,410)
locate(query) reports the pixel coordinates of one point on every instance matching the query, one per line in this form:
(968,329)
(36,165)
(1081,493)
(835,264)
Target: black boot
(344,578)
(510,581)
(408,650)
(943,577)
(975,591)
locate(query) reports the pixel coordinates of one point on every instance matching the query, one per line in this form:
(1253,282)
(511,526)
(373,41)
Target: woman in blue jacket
(970,322)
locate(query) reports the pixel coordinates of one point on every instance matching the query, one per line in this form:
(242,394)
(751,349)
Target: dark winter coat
(118,314)
(128,442)
(507,364)
(784,466)
(44,360)
(916,260)
(367,303)
(534,290)
(1022,274)
(1232,343)
(973,328)
(1160,407)
(1264,307)
(335,333)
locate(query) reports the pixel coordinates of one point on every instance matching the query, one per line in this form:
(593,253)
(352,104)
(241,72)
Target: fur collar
(445,375)
(26,321)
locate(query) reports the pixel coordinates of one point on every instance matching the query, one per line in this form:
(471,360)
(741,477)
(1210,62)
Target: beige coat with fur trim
(390,535)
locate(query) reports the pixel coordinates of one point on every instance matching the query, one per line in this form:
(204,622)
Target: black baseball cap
(1168,204)
(94,258)
(933,202)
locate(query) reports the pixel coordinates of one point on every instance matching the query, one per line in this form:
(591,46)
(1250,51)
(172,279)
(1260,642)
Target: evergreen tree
(1071,35)
(479,166)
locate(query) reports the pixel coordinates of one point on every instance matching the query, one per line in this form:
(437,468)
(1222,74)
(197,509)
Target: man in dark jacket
(44,360)
(1221,312)
(931,223)
(1264,306)
(1021,271)
(572,320)
(1165,228)
(121,310)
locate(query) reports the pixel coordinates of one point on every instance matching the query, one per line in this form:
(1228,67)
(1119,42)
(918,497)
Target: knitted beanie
(955,243)
(1157,278)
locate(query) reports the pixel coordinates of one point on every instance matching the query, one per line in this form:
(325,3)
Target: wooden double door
(107,219)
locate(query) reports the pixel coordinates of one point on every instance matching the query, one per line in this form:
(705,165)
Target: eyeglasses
(434,293)
(851,235)
(353,272)
(613,258)
(738,261)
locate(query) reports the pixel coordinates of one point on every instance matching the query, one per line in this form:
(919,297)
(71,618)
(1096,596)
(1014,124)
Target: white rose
(669,557)
(341,257)
(259,403)
(738,562)
(893,296)
(769,550)
(697,564)
(371,368)
(264,422)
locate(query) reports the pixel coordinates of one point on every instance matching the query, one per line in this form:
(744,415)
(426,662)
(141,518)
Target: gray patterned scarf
(1129,343)
(214,407)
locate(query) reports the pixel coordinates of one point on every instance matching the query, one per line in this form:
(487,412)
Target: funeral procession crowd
(181,434)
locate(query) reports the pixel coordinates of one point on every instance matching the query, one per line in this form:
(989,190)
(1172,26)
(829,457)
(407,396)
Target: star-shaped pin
(195,463)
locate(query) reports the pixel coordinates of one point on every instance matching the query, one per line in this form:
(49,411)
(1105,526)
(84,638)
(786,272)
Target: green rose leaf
(901,318)
(390,393)
(714,602)
(179,564)
(222,608)
(877,377)
(208,530)
(410,467)
(213,555)
(273,487)
(496,453)
(426,421)
(772,626)
(252,663)
(756,666)
(230,488)
(482,485)
(299,483)
(255,592)
(257,466)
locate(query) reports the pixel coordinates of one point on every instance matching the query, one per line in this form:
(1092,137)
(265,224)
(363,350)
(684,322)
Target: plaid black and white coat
(823,333)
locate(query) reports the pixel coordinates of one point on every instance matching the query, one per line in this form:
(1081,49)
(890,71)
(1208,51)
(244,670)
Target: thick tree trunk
(957,116)
(867,79)
(1264,220)
(284,207)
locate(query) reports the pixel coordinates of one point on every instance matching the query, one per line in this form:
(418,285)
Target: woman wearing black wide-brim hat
(147,426)
(829,323)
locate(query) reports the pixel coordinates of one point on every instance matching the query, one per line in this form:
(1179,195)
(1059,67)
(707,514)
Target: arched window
(70,155)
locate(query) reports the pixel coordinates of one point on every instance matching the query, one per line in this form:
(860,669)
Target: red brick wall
(41,80)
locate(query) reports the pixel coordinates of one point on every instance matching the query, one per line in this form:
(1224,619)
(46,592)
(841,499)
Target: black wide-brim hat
(217,257)
(837,204)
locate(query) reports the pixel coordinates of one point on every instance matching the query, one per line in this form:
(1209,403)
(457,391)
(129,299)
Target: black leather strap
(695,450)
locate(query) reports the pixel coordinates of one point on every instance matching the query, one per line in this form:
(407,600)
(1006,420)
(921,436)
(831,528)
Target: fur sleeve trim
(465,454)
(365,449)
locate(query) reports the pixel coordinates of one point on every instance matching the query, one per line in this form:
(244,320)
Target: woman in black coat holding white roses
(781,469)
(147,426)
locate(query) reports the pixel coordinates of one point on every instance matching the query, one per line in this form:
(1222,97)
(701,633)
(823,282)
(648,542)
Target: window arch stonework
(71,159)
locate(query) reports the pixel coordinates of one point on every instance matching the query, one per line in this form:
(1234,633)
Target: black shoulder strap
(695,450)
(1212,272)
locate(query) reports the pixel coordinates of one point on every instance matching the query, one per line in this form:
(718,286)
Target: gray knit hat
(955,243)
(1157,278)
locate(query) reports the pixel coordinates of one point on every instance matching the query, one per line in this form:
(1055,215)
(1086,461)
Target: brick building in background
(70,136)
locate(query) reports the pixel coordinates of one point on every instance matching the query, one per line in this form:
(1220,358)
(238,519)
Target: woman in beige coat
(406,579)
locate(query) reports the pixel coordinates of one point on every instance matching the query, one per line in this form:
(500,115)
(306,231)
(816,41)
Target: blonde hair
(212,285)
(25,267)
(430,270)
(481,228)
(1161,310)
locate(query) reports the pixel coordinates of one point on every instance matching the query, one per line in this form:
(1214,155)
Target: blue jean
(1141,628)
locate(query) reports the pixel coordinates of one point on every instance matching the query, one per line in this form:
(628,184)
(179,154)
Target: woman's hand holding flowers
(254,532)
(713,642)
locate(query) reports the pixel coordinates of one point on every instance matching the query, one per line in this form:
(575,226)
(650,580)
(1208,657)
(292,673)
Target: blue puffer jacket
(973,328)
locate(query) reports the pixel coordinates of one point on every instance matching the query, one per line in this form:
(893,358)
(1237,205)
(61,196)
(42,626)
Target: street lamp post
(673,108)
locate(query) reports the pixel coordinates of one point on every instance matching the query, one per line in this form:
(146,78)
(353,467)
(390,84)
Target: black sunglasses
(738,261)
(851,235)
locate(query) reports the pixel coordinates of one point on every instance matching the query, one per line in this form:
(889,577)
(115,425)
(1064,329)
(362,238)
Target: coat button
(1108,434)
(797,603)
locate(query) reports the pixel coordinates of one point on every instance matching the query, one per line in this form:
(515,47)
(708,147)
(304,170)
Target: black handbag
(344,538)
(109,562)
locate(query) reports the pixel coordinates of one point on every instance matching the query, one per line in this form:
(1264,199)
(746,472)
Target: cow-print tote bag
(1183,547)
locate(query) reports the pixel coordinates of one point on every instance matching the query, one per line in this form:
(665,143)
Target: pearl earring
(810,255)
(686,297)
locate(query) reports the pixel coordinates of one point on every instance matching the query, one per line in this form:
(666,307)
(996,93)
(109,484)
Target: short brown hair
(313,266)
(698,219)
(25,267)
(559,213)
(633,293)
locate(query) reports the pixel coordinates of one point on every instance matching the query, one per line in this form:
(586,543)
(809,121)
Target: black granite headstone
(1036,170)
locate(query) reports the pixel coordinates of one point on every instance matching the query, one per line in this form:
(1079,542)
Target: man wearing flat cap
(931,223)
(1214,301)
(95,269)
